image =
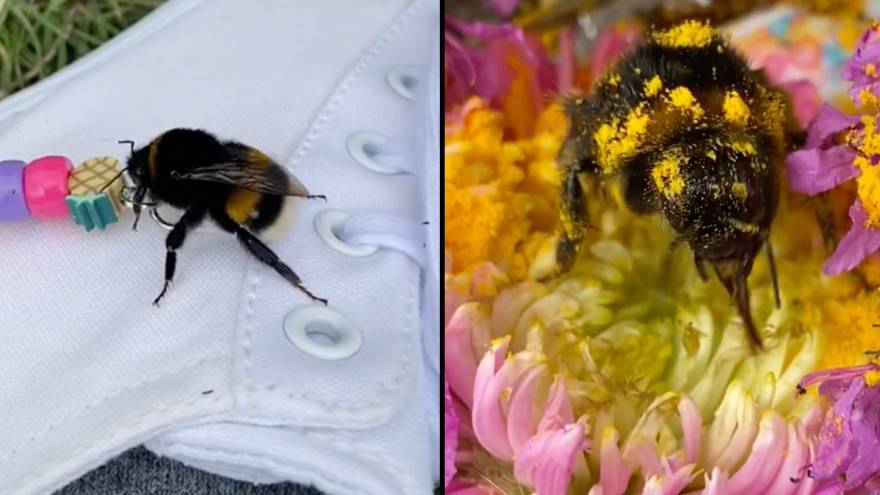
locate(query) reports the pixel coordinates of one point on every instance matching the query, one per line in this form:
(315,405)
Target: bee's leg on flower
(575,218)
(771,263)
(575,221)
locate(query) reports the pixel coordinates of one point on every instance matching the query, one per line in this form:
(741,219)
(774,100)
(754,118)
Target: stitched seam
(97,402)
(138,420)
(299,152)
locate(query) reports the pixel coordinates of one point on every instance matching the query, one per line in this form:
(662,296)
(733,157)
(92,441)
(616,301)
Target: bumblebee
(237,186)
(689,131)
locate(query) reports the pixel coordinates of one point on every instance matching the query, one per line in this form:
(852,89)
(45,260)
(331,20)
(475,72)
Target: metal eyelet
(403,79)
(328,223)
(323,333)
(364,146)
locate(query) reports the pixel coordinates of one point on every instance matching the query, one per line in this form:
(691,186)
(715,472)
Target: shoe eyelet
(364,146)
(327,225)
(322,333)
(403,80)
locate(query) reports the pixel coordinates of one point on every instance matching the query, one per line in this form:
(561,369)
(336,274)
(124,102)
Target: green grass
(39,37)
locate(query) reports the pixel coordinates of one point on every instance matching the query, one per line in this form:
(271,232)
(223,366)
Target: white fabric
(89,368)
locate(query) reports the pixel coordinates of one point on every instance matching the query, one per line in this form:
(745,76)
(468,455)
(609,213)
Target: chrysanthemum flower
(840,148)
(630,374)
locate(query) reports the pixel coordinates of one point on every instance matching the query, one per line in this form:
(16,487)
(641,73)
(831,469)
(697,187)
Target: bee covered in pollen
(690,132)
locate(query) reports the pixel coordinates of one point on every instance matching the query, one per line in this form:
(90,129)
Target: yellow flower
(500,193)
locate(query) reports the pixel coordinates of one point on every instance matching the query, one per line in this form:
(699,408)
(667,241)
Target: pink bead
(45,187)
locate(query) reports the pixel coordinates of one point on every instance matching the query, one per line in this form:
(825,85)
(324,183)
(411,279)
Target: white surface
(90,368)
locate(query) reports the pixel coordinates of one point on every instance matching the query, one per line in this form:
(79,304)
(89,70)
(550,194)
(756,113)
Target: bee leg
(771,263)
(173,242)
(575,221)
(267,256)
(263,253)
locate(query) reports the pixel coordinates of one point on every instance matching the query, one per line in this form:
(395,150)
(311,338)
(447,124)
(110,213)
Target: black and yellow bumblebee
(238,186)
(691,132)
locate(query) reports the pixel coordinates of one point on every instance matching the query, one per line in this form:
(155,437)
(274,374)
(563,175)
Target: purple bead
(12,202)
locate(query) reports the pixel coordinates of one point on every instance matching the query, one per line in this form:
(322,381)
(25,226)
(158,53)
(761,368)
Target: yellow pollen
(872,378)
(739,191)
(682,98)
(711,154)
(617,140)
(687,34)
(614,79)
(871,70)
(667,174)
(870,144)
(744,148)
(869,190)
(735,109)
(867,98)
(653,86)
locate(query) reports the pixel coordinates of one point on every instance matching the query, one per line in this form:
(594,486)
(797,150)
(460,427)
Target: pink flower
(849,439)
(459,487)
(856,245)
(548,460)
(821,165)
(483,69)
(862,69)
(450,425)
(467,324)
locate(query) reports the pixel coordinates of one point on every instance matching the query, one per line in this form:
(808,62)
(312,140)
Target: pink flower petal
(762,465)
(805,100)
(614,473)
(691,425)
(558,410)
(521,416)
(856,245)
(459,360)
(828,122)
(488,419)
(669,482)
(459,487)
(796,457)
(842,374)
(450,425)
(716,483)
(547,460)
(503,7)
(817,170)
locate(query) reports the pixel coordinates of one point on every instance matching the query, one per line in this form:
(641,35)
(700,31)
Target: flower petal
(547,461)
(557,410)
(762,465)
(856,245)
(716,483)
(450,425)
(459,487)
(614,473)
(669,482)
(521,421)
(828,122)
(493,376)
(460,363)
(691,425)
(816,170)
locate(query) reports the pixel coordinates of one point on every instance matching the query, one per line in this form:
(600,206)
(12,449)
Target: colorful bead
(45,187)
(89,205)
(12,201)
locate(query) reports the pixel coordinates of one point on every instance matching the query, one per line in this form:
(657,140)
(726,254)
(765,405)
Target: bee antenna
(114,179)
(129,142)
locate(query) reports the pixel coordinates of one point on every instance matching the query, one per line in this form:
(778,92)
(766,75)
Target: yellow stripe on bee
(151,156)
(743,148)
(241,203)
(667,174)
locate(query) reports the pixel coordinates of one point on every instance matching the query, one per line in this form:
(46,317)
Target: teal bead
(94,210)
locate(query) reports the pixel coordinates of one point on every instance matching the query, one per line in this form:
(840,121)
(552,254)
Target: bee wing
(268,180)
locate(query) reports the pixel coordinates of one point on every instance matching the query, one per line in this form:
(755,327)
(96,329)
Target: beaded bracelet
(50,188)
